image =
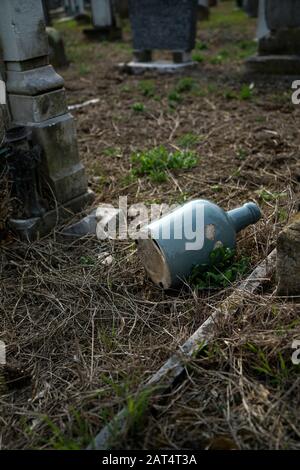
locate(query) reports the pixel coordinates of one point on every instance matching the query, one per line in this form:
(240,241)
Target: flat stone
(108,33)
(288,259)
(158,66)
(82,228)
(169,25)
(274,64)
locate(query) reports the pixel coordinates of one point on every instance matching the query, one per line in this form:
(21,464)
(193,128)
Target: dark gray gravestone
(251,7)
(283,14)
(163,24)
(279,48)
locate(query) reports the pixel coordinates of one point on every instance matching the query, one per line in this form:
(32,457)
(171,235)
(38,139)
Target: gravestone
(203,9)
(162,25)
(279,47)
(262,27)
(57,53)
(105,21)
(47,13)
(288,259)
(74,7)
(122,8)
(251,8)
(36,99)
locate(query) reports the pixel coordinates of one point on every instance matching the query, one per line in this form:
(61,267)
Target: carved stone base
(274,64)
(31,229)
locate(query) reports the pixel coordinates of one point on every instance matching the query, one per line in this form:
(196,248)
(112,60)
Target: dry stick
(73,107)
(163,380)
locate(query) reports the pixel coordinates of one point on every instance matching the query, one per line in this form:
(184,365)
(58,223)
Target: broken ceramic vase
(170,247)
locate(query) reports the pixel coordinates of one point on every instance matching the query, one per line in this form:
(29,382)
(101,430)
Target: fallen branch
(73,107)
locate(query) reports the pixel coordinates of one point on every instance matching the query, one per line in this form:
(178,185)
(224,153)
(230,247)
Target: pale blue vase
(170,252)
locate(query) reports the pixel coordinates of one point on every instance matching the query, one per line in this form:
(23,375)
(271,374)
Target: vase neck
(243,216)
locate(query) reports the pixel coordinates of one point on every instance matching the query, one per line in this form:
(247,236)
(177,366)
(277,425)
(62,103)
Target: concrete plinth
(274,64)
(30,229)
(279,38)
(158,66)
(109,33)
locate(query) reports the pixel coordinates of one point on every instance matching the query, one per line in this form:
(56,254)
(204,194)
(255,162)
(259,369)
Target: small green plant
(155,162)
(246,92)
(137,407)
(84,69)
(174,97)
(276,370)
(217,188)
(223,56)
(230,95)
(138,107)
(242,154)
(112,152)
(78,436)
(246,48)
(147,88)
(198,57)
(221,271)
(125,89)
(87,261)
(201,46)
(268,196)
(188,140)
(185,84)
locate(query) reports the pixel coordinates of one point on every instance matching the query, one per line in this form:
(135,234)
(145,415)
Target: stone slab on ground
(157,66)
(30,229)
(108,33)
(274,64)
(288,259)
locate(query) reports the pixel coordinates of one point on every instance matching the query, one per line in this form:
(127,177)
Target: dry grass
(243,390)
(80,337)
(5,204)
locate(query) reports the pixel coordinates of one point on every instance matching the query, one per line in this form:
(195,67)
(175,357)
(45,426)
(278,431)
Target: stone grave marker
(168,25)
(105,21)
(251,7)
(279,47)
(36,99)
